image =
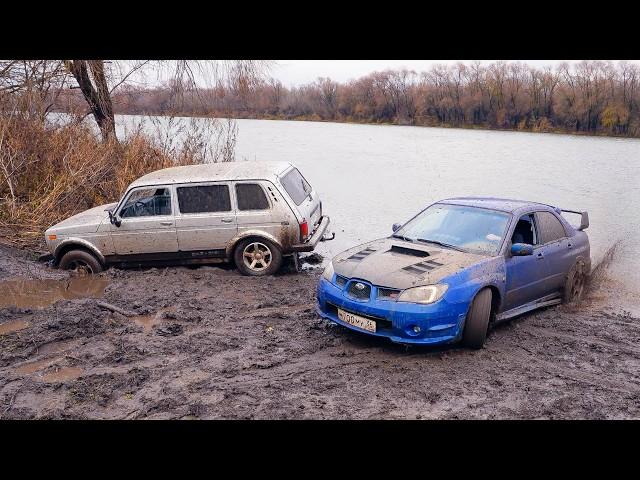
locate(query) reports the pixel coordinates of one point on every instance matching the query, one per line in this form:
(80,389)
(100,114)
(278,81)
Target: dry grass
(49,172)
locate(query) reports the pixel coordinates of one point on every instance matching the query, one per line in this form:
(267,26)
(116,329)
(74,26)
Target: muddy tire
(257,257)
(81,262)
(574,285)
(477,323)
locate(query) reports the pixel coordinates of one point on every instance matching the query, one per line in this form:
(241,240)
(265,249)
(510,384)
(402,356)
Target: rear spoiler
(584,221)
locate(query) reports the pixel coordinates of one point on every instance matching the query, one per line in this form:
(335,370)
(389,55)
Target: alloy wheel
(257,256)
(81,267)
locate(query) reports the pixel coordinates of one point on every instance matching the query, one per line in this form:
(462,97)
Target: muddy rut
(209,343)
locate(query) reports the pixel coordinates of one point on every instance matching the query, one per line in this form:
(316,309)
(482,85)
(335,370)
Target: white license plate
(357,321)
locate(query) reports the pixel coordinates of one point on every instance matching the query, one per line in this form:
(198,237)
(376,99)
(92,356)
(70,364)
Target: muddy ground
(209,343)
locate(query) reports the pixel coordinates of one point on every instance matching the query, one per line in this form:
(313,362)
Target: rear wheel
(257,257)
(477,322)
(81,262)
(574,286)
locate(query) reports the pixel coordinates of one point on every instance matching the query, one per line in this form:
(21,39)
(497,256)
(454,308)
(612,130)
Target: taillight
(304,229)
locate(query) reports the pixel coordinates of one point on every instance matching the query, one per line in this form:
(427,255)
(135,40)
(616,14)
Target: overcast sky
(296,72)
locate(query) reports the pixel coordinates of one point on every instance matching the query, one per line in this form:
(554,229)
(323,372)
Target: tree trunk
(96,92)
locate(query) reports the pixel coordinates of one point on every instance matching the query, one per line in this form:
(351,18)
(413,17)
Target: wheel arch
(251,234)
(496,297)
(77,244)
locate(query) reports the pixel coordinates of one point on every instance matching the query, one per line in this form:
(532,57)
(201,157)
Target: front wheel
(257,257)
(477,322)
(81,262)
(574,285)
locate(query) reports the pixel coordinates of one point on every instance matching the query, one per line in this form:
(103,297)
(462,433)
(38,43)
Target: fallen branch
(113,308)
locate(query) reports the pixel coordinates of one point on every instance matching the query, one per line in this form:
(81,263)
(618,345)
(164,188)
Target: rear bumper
(310,244)
(439,323)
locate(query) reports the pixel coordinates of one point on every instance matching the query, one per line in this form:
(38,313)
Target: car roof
(254,170)
(494,203)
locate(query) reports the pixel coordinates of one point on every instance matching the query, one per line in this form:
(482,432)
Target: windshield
(468,228)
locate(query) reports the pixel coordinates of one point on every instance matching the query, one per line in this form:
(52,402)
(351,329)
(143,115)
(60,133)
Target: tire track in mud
(255,348)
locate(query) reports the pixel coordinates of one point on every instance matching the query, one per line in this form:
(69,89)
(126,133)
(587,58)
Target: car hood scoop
(393,263)
(408,251)
(361,254)
(422,267)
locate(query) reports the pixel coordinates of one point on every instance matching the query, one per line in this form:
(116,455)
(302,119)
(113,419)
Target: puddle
(29,368)
(147,322)
(56,347)
(13,326)
(42,293)
(63,374)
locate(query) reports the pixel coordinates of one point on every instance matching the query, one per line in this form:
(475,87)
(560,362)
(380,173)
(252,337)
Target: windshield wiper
(446,245)
(407,239)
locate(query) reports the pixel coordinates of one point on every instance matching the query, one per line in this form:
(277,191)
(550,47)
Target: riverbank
(209,343)
(316,118)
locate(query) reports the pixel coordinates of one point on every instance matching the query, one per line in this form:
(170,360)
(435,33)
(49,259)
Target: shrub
(50,172)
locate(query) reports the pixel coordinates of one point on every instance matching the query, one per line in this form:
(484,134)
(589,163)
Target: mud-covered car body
(197,213)
(368,282)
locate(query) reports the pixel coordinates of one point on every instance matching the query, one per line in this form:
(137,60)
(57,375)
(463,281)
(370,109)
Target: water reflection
(42,293)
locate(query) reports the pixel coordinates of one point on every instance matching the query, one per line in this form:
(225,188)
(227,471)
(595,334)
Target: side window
(525,231)
(296,186)
(251,197)
(550,227)
(205,198)
(146,202)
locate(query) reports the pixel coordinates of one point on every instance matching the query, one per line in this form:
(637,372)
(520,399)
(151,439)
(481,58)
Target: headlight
(328,272)
(426,294)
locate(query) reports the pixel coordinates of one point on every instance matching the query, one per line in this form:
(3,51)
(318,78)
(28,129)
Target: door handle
(166,223)
(227,220)
(540,256)
(569,245)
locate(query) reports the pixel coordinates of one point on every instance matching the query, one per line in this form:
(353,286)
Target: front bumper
(441,322)
(310,244)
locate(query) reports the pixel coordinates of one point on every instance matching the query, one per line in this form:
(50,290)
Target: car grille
(359,293)
(388,293)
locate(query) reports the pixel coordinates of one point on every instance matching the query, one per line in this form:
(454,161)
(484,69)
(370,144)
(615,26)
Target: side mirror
(114,219)
(521,249)
(396,227)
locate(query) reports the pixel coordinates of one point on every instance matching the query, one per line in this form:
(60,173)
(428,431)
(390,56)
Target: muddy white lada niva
(253,213)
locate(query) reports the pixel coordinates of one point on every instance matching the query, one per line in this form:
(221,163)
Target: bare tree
(92,81)
(37,83)
(99,83)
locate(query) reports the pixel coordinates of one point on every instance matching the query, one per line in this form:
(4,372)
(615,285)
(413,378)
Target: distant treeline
(590,97)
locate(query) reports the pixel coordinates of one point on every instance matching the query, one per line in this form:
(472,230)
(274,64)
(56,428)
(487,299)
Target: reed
(49,172)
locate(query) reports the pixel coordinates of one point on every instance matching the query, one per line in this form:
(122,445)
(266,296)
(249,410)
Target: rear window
(550,227)
(251,197)
(202,199)
(296,186)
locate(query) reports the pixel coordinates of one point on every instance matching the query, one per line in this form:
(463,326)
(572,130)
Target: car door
(205,217)
(526,275)
(556,248)
(147,222)
(254,209)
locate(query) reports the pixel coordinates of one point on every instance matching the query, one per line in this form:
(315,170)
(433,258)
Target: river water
(370,176)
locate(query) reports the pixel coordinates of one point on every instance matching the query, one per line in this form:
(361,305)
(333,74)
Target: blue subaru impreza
(455,268)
